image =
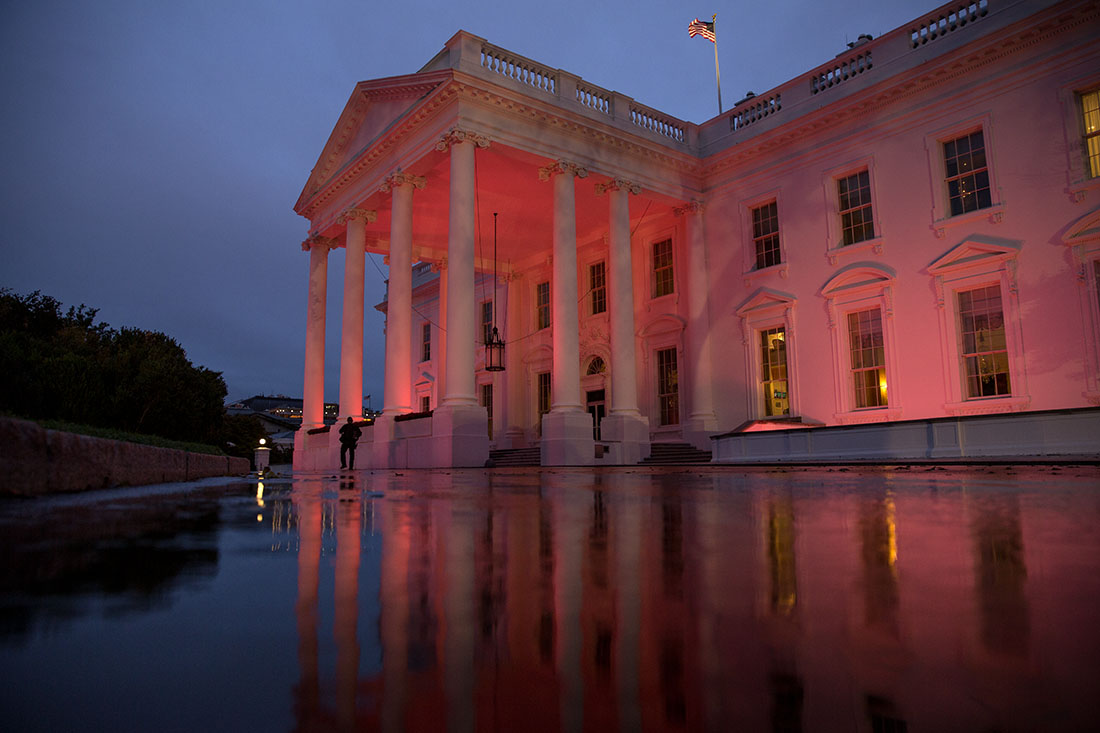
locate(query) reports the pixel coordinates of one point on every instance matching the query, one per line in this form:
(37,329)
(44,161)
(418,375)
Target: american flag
(702,28)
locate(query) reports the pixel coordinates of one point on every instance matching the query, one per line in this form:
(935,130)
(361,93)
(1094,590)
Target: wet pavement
(869,599)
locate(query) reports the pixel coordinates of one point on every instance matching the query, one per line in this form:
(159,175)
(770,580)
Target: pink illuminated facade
(870,257)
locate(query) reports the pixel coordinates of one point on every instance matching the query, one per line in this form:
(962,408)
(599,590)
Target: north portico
(414,170)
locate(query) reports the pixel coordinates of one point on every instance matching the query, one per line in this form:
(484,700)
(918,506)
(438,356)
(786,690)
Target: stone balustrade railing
(840,71)
(947,19)
(523,70)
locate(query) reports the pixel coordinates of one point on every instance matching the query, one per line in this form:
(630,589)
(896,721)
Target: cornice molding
(618,184)
(562,167)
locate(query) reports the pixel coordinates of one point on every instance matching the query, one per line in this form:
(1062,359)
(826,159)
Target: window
(542,305)
(868,358)
(966,173)
(425,403)
(486,321)
(1090,115)
(596,366)
(668,399)
(426,342)
(597,284)
(773,371)
(487,403)
(765,235)
(983,348)
(543,379)
(662,268)
(857,223)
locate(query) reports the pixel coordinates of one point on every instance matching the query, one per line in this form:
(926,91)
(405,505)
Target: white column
(313,392)
(461,321)
(624,426)
(351,338)
(701,418)
(398,385)
(567,429)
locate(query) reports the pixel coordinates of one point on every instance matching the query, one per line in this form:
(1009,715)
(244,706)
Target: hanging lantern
(494,352)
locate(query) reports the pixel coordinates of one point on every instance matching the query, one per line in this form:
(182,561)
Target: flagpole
(717,75)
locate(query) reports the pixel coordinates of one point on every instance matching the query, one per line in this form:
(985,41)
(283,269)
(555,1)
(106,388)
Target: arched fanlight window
(596,366)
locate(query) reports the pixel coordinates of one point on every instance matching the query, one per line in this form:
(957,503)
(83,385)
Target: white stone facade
(909,232)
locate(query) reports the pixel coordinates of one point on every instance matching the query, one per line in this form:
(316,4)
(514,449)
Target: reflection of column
(568,591)
(624,424)
(398,390)
(460,620)
(307,697)
(346,608)
(351,341)
(701,421)
(628,581)
(395,611)
(567,438)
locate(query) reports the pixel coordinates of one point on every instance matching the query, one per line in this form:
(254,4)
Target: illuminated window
(542,305)
(868,358)
(668,387)
(966,173)
(662,268)
(1090,114)
(426,342)
(773,371)
(854,201)
(425,403)
(596,366)
(984,350)
(765,235)
(487,402)
(597,284)
(543,379)
(486,321)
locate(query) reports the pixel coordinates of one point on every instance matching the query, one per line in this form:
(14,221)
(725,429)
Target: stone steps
(675,454)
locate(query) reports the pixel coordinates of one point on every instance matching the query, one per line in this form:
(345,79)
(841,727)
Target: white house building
(894,255)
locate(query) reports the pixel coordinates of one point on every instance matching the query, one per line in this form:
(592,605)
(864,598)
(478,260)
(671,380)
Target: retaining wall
(34,460)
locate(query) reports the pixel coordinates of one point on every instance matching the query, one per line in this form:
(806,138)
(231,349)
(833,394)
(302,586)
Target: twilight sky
(152,150)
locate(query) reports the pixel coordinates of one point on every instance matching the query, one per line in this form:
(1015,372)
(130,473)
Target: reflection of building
(874,241)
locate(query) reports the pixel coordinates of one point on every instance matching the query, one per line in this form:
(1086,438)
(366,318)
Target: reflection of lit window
(784,591)
(868,357)
(984,350)
(773,372)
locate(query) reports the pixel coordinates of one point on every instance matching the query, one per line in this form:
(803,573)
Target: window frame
(1083,240)
(835,249)
(485,307)
(425,342)
(597,293)
(1080,180)
(543,314)
(764,310)
(942,220)
(653,270)
(746,207)
(674,411)
(971,264)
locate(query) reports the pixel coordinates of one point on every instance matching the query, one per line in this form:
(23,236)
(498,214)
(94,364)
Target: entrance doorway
(597,408)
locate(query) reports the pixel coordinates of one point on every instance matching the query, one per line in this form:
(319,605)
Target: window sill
(1078,191)
(995,214)
(657,301)
(988,406)
(868,245)
(870,415)
(782,269)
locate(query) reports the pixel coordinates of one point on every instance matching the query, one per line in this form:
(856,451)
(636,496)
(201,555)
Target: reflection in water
(587,600)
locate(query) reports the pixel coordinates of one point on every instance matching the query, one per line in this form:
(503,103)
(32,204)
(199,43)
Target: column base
(386,451)
(626,437)
(311,452)
(567,439)
(459,439)
(697,430)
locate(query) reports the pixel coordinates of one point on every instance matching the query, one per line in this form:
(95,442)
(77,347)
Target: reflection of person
(349,437)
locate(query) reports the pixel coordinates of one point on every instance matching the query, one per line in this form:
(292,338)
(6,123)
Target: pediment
(374,108)
(1085,229)
(664,323)
(858,276)
(763,300)
(975,250)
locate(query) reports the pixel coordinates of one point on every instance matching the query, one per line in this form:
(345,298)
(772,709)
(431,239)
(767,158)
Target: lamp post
(494,345)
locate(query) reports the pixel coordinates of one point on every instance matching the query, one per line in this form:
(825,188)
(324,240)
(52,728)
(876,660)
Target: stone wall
(34,460)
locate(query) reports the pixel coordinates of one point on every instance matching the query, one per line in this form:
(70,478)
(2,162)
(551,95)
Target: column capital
(439,265)
(695,206)
(459,135)
(562,166)
(366,215)
(618,184)
(316,240)
(400,178)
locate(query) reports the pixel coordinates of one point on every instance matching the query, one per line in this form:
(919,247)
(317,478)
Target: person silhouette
(349,438)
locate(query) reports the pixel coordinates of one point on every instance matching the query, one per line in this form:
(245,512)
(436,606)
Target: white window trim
(748,261)
(663,332)
(858,288)
(834,240)
(1080,184)
(538,359)
(976,262)
(766,309)
(933,144)
(585,280)
(651,275)
(1083,239)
